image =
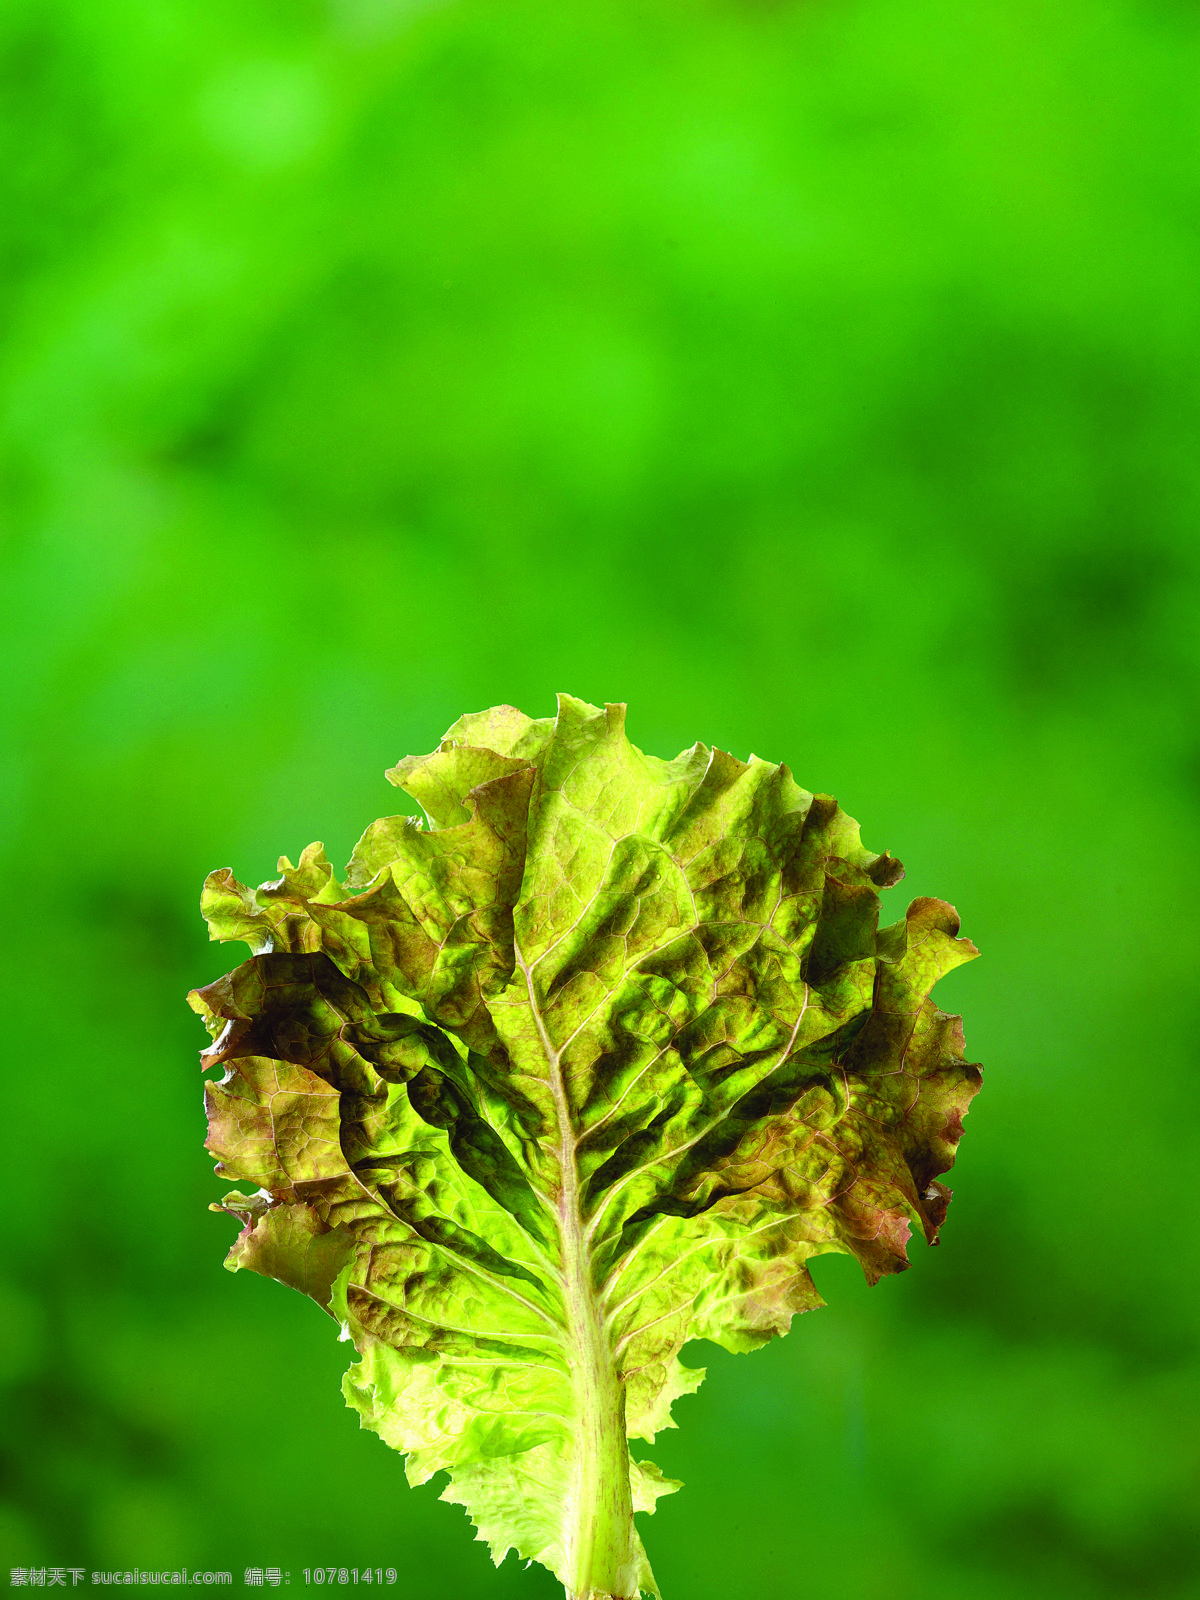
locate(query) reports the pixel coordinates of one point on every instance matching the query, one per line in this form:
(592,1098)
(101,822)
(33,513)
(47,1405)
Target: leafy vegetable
(589,1064)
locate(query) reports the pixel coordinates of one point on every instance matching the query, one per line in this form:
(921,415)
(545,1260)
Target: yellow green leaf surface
(588,1063)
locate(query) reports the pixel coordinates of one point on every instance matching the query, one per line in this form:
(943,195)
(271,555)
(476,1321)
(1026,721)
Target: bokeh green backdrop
(820,378)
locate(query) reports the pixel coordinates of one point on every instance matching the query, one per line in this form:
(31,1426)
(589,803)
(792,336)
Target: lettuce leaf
(590,1062)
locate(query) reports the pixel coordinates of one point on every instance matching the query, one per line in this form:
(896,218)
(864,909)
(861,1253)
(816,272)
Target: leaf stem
(598,1534)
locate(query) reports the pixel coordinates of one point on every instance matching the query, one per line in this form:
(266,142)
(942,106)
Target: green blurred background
(821,378)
